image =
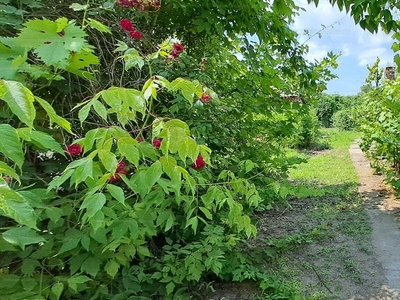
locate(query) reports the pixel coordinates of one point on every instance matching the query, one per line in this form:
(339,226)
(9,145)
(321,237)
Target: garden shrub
(307,132)
(344,120)
(130,151)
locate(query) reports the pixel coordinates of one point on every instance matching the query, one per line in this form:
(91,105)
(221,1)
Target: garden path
(383,209)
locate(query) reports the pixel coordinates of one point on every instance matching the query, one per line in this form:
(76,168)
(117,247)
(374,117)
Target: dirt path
(383,210)
(342,260)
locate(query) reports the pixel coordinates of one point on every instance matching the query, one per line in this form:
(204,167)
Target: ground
(345,245)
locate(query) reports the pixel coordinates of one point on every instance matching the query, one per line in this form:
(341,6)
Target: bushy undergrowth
(379,125)
(132,151)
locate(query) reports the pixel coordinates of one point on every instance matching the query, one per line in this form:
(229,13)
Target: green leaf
(170,222)
(78,7)
(52,41)
(124,102)
(100,109)
(29,266)
(85,242)
(22,236)
(170,288)
(143,251)
(187,88)
(108,159)
(144,180)
(71,240)
(91,266)
(75,280)
(84,170)
(57,289)
(44,141)
(54,213)
(206,212)
(111,267)
(116,192)
(10,145)
(5,247)
(59,180)
(14,206)
(194,221)
(84,112)
(82,60)
(54,118)
(93,204)
(19,99)
(98,25)
(127,146)
(132,58)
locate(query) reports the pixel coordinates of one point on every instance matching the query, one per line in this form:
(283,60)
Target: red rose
(135,34)
(205,98)
(74,150)
(199,163)
(157,143)
(126,25)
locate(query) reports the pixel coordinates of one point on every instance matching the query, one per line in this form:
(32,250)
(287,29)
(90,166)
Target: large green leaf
(54,118)
(7,170)
(53,40)
(41,140)
(14,206)
(144,180)
(116,192)
(10,145)
(128,148)
(22,236)
(93,204)
(84,170)
(75,280)
(125,103)
(19,99)
(108,159)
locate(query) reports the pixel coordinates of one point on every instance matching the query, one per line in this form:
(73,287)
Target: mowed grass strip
(328,167)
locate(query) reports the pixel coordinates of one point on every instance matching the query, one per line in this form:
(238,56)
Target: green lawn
(330,167)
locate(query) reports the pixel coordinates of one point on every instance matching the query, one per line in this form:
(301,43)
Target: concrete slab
(382,210)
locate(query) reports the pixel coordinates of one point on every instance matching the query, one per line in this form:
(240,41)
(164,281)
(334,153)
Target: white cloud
(316,51)
(358,47)
(344,36)
(374,40)
(369,56)
(346,50)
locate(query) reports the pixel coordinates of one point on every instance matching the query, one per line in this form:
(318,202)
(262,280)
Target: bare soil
(343,260)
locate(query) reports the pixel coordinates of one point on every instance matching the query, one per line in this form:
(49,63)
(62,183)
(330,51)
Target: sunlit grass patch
(327,167)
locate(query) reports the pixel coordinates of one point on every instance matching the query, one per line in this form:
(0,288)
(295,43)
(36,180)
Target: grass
(321,247)
(331,167)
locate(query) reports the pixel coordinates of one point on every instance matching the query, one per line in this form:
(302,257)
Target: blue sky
(358,47)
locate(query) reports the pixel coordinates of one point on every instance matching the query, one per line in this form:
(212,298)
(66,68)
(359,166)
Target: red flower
(117,176)
(157,143)
(205,97)
(74,149)
(199,163)
(126,25)
(135,34)
(121,166)
(178,47)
